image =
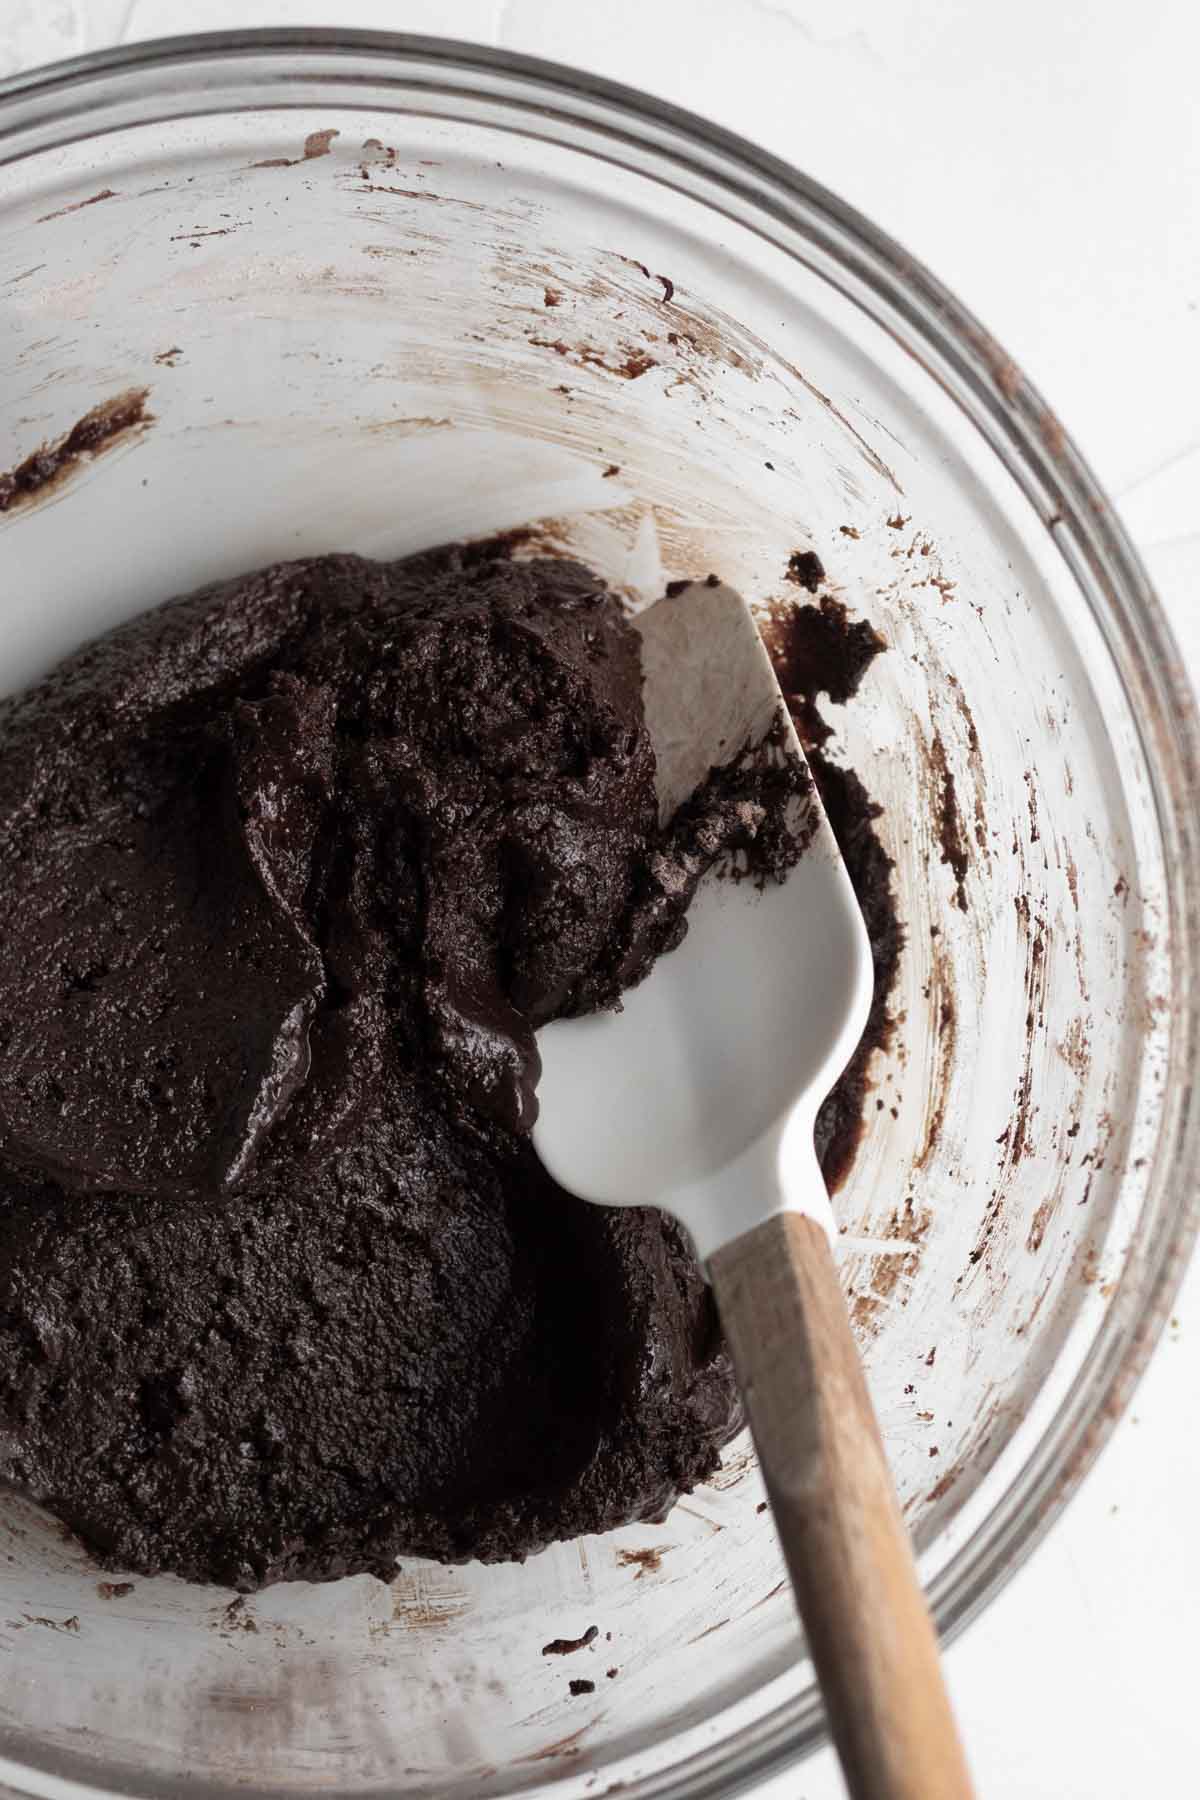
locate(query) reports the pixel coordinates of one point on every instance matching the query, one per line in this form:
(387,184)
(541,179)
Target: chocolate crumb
(646,1562)
(951,834)
(114,1590)
(761,1507)
(97,429)
(580,1686)
(806,570)
(637,363)
(818,650)
(612,1673)
(316,144)
(612,469)
(568,1646)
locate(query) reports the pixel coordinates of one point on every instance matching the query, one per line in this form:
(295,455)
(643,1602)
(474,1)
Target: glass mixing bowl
(382,292)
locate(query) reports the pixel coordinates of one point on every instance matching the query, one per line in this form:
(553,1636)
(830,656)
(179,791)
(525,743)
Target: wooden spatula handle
(847,1549)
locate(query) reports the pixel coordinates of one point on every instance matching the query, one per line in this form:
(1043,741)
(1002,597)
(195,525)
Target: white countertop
(1045,162)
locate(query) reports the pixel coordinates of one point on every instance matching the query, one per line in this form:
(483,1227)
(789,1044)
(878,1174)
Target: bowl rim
(164,78)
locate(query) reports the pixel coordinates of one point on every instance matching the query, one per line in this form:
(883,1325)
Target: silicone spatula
(700,1096)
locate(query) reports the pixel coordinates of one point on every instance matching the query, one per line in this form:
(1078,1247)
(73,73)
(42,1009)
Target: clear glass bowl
(386,291)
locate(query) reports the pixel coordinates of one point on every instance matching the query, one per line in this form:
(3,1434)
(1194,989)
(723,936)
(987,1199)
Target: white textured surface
(1046,163)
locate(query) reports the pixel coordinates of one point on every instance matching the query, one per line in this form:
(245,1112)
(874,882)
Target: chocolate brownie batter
(819,652)
(291,871)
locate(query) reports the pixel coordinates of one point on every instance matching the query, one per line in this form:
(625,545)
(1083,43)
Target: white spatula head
(700,1095)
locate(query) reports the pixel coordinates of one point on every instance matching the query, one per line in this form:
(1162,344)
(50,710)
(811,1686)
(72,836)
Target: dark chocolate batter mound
(291,870)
